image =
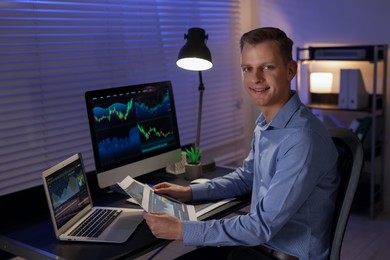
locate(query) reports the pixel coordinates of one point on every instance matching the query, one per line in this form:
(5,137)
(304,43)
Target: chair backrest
(350,164)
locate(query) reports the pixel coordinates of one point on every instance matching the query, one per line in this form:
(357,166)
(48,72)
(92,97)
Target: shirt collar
(283,116)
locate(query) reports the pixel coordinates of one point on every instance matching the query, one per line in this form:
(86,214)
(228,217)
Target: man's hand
(164,226)
(181,193)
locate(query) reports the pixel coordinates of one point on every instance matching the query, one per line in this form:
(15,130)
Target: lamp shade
(195,55)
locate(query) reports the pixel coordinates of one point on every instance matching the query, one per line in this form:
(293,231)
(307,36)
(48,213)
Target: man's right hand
(181,193)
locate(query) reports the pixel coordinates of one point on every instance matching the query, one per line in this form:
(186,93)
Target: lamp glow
(194,64)
(321,82)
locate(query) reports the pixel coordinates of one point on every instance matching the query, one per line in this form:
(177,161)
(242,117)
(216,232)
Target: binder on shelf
(352,94)
(344,89)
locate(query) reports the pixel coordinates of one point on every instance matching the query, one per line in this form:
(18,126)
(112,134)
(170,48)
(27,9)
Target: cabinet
(371,60)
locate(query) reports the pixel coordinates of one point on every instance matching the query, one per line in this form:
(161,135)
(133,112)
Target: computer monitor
(133,130)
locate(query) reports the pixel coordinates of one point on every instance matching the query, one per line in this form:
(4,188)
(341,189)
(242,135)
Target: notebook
(70,206)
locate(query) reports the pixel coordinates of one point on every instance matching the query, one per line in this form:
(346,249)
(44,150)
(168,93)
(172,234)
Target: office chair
(350,164)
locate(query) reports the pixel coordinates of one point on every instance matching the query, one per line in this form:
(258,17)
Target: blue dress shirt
(291,171)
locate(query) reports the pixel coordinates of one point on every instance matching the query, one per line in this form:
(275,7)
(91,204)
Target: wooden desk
(28,232)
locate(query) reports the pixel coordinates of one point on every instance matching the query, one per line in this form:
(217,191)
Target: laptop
(73,215)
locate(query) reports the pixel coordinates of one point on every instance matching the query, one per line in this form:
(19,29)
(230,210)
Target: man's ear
(292,69)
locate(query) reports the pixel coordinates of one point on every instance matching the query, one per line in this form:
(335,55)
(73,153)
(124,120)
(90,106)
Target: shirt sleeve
(232,185)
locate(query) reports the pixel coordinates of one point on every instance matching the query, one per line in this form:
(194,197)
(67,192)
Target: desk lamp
(195,56)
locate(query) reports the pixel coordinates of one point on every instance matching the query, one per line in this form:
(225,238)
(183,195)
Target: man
(291,169)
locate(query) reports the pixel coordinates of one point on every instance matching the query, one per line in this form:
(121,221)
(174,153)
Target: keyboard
(96,223)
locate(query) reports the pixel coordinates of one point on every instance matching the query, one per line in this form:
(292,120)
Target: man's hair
(276,35)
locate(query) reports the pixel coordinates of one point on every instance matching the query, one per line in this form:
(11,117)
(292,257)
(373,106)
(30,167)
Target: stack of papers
(150,201)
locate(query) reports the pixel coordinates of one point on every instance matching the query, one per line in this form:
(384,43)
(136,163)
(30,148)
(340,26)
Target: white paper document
(150,201)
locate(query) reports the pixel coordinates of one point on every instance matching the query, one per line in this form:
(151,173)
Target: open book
(150,201)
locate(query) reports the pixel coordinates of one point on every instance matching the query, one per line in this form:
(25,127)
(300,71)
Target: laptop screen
(68,191)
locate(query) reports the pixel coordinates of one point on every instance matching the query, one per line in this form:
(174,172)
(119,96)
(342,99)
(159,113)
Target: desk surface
(29,233)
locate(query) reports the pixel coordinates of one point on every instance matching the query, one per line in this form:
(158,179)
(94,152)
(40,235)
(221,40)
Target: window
(53,51)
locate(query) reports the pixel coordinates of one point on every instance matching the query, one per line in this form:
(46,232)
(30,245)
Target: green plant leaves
(193,154)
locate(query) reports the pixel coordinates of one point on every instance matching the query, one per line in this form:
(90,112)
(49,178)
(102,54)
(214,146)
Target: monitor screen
(133,130)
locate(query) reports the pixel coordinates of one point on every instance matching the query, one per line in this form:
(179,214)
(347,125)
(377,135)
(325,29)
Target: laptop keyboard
(96,223)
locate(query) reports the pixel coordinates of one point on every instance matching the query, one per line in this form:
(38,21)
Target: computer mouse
(200,180)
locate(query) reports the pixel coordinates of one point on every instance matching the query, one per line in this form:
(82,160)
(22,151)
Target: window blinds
(51,52)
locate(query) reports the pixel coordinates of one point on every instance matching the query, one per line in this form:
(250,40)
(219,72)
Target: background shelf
(369,194)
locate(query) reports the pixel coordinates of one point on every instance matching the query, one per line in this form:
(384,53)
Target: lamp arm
(201,89)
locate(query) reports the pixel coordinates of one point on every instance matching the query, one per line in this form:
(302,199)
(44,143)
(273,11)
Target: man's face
(266,77)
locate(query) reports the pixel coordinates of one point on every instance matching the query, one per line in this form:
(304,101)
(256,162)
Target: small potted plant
(193,165)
